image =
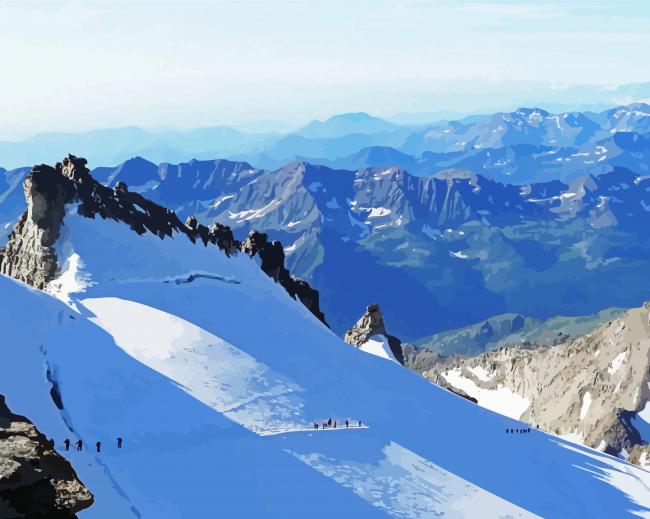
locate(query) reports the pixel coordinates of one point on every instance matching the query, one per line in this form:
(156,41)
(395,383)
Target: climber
(80,445)
(67,444)
(329,423)
(119,442)
(359,423)
(334,424)
(347,424)
(315,425)
(99,446)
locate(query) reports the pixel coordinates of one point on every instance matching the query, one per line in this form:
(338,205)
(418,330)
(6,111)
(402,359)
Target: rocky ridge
(35,481)
(508,330)
(271,255)
(30,254)
(592,389)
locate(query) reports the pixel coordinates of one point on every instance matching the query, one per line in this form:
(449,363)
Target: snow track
(312,430)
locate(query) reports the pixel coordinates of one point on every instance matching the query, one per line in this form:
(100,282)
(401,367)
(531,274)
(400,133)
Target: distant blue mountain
(346,124)
(528,145)
(376,157)
(113,146)
(12,200)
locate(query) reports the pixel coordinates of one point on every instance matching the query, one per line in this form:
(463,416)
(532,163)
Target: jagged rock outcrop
(35,481)
(419,359)
(371,324)
(30,254)
(640,455)
(217,234)
(271,255)
(591,389)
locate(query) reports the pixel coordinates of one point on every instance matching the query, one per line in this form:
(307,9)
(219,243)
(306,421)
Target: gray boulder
(35,481)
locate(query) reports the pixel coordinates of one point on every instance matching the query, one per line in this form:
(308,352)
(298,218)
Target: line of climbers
(98,445)
(518,431)
(331,424)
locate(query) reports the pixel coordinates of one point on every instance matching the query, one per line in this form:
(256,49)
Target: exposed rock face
(217,234)
(369,325)
(35,481)
(420,359)
(590,389)
(271,255)
(640,455)
(30,254)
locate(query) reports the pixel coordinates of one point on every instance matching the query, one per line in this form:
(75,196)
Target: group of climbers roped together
(518,431)
(98,445)
(331,424)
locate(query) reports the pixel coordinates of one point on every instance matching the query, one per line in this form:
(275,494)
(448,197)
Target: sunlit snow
(501,400)
(378,345)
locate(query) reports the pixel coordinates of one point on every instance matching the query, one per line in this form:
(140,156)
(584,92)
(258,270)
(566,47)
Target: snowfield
(215,380)
(502,400)
(378,345)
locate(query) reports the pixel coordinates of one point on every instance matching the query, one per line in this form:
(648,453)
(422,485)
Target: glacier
(215,383)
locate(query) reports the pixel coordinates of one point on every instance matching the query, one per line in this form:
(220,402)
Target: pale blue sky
(95,64)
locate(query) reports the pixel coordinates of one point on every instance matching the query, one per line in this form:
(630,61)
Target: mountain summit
(345,124)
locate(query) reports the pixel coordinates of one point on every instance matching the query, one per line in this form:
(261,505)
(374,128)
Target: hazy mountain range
(526,145)
(446,250)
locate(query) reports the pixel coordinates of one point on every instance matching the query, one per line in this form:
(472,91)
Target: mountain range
(194,382)
(522,146)
(423,246)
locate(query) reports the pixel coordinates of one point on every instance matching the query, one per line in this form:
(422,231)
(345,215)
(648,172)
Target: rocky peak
(30,254)
(271,253)
(75,169)
(35,481)
(369,325)
(120,189)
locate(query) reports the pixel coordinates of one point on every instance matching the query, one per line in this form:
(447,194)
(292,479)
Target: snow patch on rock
(617,363)
(501,400)
(378,345)
(586,403)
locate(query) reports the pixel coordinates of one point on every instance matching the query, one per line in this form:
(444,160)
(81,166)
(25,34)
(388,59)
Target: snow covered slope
(213,376)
